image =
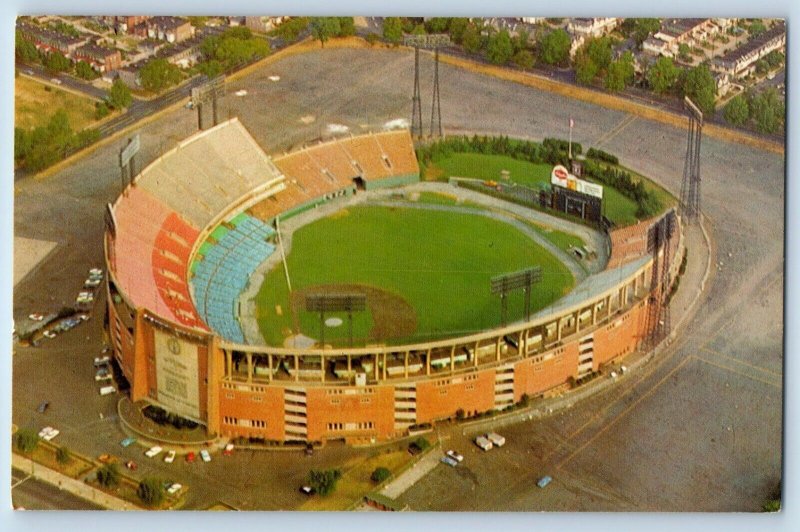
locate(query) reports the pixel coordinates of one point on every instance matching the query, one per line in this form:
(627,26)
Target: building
(126,24)
(592,27)
(742,61)
(170,29)
(180,346)
(677,31)
(101,59)
(48,41)
(263,24)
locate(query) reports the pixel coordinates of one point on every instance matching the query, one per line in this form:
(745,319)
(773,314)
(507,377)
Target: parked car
(174,488)
(496,439)
(43,406)
(228,450)
(103,375)
(205,455)
(544,481)
(106,458)
(455,456)
(127,442)
(190,458)
(96,272)
(99,361)
(55,80)
(130,464)
(36,316)
(483,443)
(107,390)
(49,334)
(48,433)
(170,457)
(449,461)
(307,490)
(153,451)
(91,283)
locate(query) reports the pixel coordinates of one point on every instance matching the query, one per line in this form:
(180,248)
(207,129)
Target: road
(33,494)
(668,445)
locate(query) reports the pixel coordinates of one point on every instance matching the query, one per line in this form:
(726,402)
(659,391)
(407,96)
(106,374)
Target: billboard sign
(177,377)
(562,178)
(131,149)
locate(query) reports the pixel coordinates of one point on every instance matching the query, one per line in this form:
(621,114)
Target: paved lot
(726,374)
(33,494)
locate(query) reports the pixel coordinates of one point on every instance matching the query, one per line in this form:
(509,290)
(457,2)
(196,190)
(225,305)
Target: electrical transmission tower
(658,322)
(690,187)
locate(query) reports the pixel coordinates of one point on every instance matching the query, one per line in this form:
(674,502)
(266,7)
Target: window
(229,395)
(366,400)
(335,401)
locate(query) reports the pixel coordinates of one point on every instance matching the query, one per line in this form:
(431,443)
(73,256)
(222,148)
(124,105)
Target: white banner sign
(561,177)
(177,376)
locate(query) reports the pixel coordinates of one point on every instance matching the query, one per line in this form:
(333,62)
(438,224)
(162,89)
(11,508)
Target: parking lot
(644,447)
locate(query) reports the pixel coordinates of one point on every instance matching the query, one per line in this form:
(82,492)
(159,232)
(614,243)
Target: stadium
(325,294)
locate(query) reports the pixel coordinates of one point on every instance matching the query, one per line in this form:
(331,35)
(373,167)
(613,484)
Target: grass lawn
(562,240)
(33,105)
(618,208)
(355,482)
(437,265)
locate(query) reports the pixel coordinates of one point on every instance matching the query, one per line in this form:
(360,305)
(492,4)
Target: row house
(742,61)
(678,31)
(592,27)
(170,29)
(51,41)
(101,59)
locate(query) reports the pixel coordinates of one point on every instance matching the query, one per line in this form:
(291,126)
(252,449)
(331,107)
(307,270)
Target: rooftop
(754,44)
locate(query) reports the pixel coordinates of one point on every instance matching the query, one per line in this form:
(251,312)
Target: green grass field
(429,270)
(618,208)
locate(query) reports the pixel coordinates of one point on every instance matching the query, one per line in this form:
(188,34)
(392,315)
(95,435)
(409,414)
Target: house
(170,29)
(592,27)
(677,31)
(742,61)
(263,24)
(101,59)
(48,41)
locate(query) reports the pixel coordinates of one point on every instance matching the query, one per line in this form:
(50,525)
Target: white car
(241,93)
(91,283)
(55,80)
(96,271)
(35,316)
(170,458)
(49,334)
(455,456)
(173,489)
(99,361)
(48,433)
(153,451)
(205,456)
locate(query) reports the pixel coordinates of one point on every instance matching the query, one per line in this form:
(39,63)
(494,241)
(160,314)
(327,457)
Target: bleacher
(223,267)
(209,171)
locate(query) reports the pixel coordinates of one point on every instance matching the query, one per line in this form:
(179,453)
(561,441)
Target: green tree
(456,28)
(756,28)
(323,28)
(380,474)
(151,491)
(768,111)
(211,68)
(521,41)
(737,111)
(643,27)
(599,51)
(620,73)
(422,443)
(437,24)
(25,50)
(291,29)
(158,75)
(699,85)
(108,475)
(347,26)
(662,75)
(419,29)
(393,30)
(85,71)
(23,144)
(554,47)
(27,441)
(119,95)
(683,52)
(500,48)
(324,482)
(197,22)
(471,38)
(523,59)
(101,110)
(585,69)
(63,456)
(56,62)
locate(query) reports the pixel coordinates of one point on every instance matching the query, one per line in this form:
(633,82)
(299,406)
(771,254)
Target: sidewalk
(409,477)
(76,487)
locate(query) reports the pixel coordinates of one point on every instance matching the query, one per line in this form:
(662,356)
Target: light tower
(690,187)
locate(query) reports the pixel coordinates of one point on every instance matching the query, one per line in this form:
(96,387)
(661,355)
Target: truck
(483,443)
(496,439)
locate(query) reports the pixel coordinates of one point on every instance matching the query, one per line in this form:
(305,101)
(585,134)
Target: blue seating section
(222,274)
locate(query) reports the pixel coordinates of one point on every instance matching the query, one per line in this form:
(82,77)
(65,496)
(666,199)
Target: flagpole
(570,138)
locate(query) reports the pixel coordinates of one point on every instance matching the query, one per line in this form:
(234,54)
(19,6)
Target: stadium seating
(220,276)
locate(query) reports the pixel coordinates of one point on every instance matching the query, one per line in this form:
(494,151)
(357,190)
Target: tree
(699,85)
(737,111)
(683,52)
(347,26)
(24,49)
(456,28)
(756,28)
(437,24)
(101,110)
(323,28)
(500,48)
(380,474)
(291,29)
(599,51)
(63,456)
(56,62)
(643,27)
(554,47)
(151,491)
(158,75)
(521,41)
(523,59)
(471,38)
(422,443)
(119,95)
(393,29)
(768,111)
(662,75)
(197,22)
(27,441)
(324,482)
(620,73)
(108,475)
(84,70)
(585,69)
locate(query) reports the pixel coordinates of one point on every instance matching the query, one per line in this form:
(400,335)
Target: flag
(571,123)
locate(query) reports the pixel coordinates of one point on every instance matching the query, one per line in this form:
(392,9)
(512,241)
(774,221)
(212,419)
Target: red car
(131,465)
(190,457)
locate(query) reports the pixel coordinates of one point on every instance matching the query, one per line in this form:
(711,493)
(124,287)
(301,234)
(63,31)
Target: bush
(324,482)
(601,155)
(27,441)
(422,443)
(162,417)
(101,110)
(380,474)
(372,38)
(460,414)
(108,475)
(524,400)
(151,491)
(63,455)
